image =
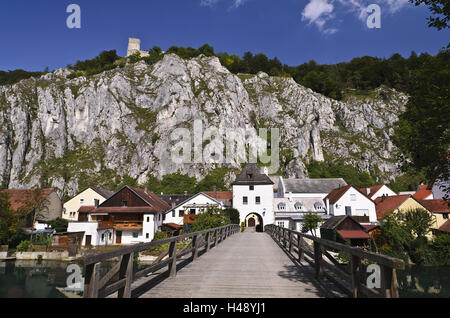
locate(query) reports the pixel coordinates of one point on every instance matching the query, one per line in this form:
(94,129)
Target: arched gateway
(255,220)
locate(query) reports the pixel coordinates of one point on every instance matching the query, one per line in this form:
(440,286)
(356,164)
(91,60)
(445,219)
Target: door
(119,237)
(251,222)
(88,240)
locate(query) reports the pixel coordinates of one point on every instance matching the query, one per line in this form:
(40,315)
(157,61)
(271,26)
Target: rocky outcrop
(71,133)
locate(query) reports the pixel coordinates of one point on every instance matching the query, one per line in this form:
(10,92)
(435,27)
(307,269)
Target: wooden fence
(351,280)
(100,287)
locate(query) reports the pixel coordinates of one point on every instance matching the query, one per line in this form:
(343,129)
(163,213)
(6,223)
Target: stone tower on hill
(134,45)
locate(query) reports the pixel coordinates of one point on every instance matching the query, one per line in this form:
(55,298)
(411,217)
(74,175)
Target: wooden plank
(91,281)
(318,260)
(173,257)
(152,268)
(112,288)
(195,245)
(126,271)
(208,241)
(355,266)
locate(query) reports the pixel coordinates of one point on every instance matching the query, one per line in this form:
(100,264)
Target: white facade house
(378,191)
(93,235)
(86,198)
(195,205)
(290,212)
(351,201)
(253,197)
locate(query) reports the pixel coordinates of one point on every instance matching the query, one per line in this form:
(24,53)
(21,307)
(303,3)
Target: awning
(354,235)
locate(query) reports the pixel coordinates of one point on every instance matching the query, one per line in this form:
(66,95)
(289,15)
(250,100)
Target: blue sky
(34,34)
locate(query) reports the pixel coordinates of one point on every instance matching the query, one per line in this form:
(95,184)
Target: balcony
(105,225)
(128,225)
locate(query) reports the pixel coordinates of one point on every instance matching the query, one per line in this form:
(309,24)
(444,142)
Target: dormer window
(298,206)
(125,204)
(282,206)
(318,206)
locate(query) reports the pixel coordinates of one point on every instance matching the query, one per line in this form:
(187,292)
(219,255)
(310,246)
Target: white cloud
(323,12)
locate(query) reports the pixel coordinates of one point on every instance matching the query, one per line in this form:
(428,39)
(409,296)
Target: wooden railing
(352,280)
(100,287)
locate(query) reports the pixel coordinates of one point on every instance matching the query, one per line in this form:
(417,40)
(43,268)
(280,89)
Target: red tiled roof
(370,227)
(22,199)
(336,194)
(422,194)
(423,187)
(436,206)
(445,227)
(114,209)
(86,209)
(354,234)
(221,195)
(389,204)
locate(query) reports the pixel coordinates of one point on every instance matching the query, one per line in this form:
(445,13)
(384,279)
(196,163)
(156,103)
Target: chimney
(215,192)
(327,202)
(266,171)
(383,197)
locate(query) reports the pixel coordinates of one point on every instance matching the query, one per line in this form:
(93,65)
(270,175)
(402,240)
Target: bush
(242,226)
(59,225)
(441,245)
(210,219)
(23,246)
(233,215)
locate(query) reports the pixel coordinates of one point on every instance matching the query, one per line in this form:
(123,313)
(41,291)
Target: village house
(290,212)
(185,212)
(349,200)
(399,203)
(130,216)
(85,200)
(424,192)
(346,230)
(440,209)
(253,197)
(36,206)
(378,191)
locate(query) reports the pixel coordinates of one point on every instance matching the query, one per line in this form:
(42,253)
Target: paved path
(245,265)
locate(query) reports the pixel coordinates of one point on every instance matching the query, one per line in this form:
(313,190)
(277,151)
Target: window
(103,237)
(173,213)
(147,236)
(352,197)
(148,219)
(258,200)
(280,224)
(252,188)
(245,200)
(192,212)
(110,236)
(348,210)
(135,234)
(299,206)
(125,203)
(445,215)
(282,207)
(181,213)
(319,206)
(81,201)
(249,176)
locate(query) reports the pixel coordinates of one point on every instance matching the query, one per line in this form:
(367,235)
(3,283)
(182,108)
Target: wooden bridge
(225,263)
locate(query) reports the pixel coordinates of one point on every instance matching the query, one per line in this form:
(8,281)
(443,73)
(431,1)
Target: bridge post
(126,271)
(318,259)
(355,266)
(208,241)
(389,285)
(300,248)
(195,241)
(173,256)
(290,242)
(216,234)
(91,281)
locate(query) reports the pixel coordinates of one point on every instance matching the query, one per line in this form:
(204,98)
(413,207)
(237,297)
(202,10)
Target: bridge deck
(245,265)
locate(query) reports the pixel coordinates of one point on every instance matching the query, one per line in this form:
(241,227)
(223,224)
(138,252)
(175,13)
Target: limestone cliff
(71,133)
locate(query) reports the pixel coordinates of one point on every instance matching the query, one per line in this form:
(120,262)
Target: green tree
(394,231)
(441,10)
(11,224)
(210,219)
(422,133)
(59,225)
(311,222)
(233,215)
(418,222)
(441,245)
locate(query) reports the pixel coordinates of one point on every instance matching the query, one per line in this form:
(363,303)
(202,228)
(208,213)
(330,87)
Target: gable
(125,194)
